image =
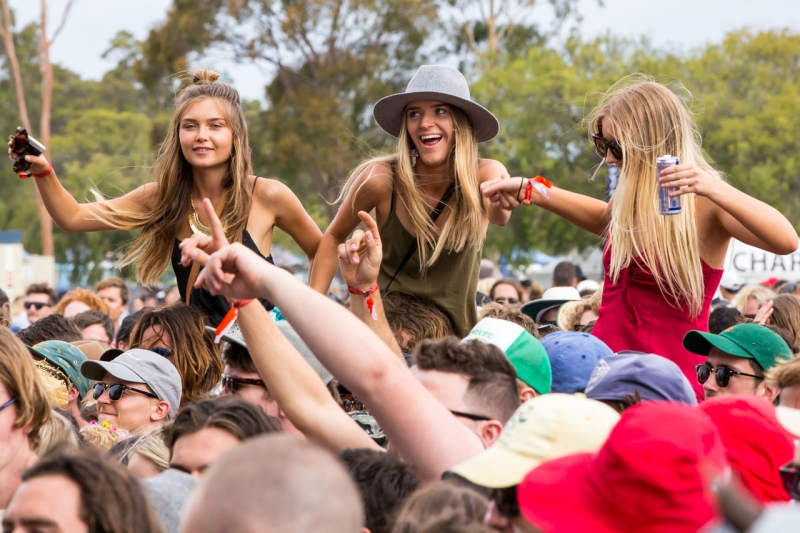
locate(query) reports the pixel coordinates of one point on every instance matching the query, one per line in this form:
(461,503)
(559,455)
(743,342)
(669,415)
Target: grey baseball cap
(141,366)
(656,378)
(234,335)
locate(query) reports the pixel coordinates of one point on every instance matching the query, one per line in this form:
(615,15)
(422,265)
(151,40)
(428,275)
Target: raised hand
(234,271)
(687,179)
(764,312)
(360,257)
(39,164)
(202,245)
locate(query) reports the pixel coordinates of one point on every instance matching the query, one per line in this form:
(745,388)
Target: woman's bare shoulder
(491,169)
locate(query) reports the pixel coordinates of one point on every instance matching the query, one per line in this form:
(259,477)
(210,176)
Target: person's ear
(490,432)
(526,394)
(160,411)
(73,392)
(770,391)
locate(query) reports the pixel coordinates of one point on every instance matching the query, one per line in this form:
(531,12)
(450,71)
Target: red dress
(634,315)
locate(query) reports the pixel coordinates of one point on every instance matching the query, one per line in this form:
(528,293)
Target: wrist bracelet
(23,175)
(540,184)
(367,294)
(229,319)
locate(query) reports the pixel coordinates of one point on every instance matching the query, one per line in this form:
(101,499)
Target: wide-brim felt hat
(443,84)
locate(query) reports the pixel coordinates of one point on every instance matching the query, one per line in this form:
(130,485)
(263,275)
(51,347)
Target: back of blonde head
(650,121)
(151,252)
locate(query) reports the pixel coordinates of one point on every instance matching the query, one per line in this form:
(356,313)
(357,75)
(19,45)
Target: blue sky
(682,24)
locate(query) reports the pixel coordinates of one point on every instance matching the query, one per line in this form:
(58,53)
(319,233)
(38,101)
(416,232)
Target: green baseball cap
(67,358)
(750,341)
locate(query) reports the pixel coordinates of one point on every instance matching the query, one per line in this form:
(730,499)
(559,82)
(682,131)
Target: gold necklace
(195,225)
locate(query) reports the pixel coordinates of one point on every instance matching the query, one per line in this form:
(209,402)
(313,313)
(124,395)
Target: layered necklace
(197,227)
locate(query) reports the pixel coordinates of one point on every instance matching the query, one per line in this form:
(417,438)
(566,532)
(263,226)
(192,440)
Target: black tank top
(214,307)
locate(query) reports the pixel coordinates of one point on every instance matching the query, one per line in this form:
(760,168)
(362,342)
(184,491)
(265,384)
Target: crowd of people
(440,395)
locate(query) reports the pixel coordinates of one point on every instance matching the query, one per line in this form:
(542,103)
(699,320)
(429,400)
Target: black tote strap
(413,248)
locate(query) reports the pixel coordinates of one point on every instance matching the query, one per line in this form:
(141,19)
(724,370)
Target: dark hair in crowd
(92,317)
(786,315)
(507,281)
(126,326)
(444,506)
(119,283)
(42,288)
(563,274)
(492,378)
(55,327)
(194,353)
(722,318)
(112,501)
(512,314)
(383,481)
(419,317)
(238,417)
(238,357)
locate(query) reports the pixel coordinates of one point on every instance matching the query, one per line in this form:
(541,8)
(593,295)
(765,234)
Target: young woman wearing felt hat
(426,195)
(205,155)
(661,271)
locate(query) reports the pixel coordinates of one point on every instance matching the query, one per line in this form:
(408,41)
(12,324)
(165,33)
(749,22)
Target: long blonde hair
(152,250)
(464,226)
(650,121)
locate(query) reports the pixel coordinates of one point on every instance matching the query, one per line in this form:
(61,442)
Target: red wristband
(238,304)
(229,319)
(46,173)
(367,294)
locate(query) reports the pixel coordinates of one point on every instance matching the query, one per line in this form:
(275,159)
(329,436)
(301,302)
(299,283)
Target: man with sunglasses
(40,301)
(737,360)
(138,391)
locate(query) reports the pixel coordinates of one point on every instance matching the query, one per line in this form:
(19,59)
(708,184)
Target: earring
(414,155)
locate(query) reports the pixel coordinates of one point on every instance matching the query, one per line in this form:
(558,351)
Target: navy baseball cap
(573,356)
(656,378)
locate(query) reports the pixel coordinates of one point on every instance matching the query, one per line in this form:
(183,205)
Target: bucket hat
(552,297)
(441,83)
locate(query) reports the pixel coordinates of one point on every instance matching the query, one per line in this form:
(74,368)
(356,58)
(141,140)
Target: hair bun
(204,77)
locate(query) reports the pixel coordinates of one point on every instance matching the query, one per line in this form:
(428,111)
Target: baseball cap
(625,373)
(541,429)
(234,335)
(552,297)
(649,477)
(756,442)
(731,281)
(789,419)
(750,341)
(525,352)
(141,366)
(587,285)
(573,356)
(67,358)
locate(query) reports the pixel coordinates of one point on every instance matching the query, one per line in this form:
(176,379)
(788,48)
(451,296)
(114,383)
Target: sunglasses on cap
(232,385)
(602,147)
(505,501)
(37,305)
(790,475)
(722,373)
(115,391)
(789,287)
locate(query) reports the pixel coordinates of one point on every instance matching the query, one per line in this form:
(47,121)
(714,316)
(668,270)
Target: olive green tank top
(451,282)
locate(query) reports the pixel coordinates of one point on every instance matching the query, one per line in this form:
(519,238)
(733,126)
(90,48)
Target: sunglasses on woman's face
(163,352)
(232,385)
(505,501)
(722,373)
(602,147)
(115,391)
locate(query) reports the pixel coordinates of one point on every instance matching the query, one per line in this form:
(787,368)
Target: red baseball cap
(649,477)
(770,282)
(756,442)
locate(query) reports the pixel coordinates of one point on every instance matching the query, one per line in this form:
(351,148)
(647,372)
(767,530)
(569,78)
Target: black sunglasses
(722,373)
(232,385)
(163,352)
(470,416)
(502,300)
(790,475)
(505,501)
(115,391)
(37,305)
(602,146)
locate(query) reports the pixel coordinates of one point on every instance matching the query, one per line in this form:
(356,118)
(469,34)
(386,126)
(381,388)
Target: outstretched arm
(587,213)
(743,217)
(360,262)
(71,216)
(421,429)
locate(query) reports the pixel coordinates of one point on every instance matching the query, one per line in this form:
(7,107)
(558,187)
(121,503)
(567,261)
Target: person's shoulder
(491,169)
(268,191)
